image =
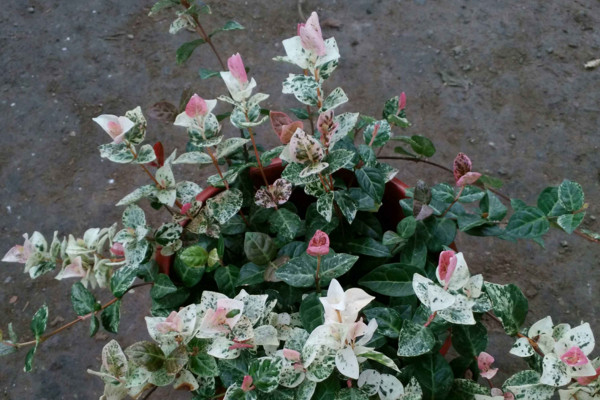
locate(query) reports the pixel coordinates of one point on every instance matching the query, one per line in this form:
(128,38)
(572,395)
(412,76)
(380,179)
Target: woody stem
(317,278)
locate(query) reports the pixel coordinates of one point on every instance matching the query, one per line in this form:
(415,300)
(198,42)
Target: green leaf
(351,394)
(146,354)
(176,360)
(94,325)
(414,339)
(82,299)
(194,256)
(383,133)
(168,233)
(406,228)
(325,206)
(162,287)
(393,280)
(29,359)
(265,373)
(312,313)
(389,322)
(133,216)
(570,222)
(203,365)
(491,205)
(229,146)
(259,247)
(471,194)
(570,195)
(39,322)
(346,204)
(226,278)
(489,181)
(527,223)
(122,280)
(185,50)
(116,152)
(469,340)
(229,26)
(369,247)
(547,199)
(422,146)
(285,224)
(207,73)
(464,389)
(111,317)
(303,87)
(250,274)
(372,181)
(161,5)
(509,305)
(300,113)
(434,375)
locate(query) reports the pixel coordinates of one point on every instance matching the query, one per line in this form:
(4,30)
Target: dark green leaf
(421,145)
(190,275)
(94,325)
(300,113)
(176,360)
(259,247)
(111,317)
(406,228)
(570,195)
(122,279)
(29,359)
(185,50)
(372,181)
(203,365)
(491,205)
(464,389)
(39,322)
(570,222)
(226,278)
(207,73)
(527,223)
(285,224)
(434,375)
(391,279)
(489,181)
(547,199)
(251,274)
(369,247)
(312,313)
(83,300)
(389,322)
(346,204)
(469,340)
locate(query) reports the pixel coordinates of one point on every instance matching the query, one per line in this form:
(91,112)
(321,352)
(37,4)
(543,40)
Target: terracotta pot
(390,213)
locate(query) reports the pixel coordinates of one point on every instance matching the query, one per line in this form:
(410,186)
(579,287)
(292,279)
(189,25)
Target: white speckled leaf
(225,205)
(304,87)
(460,312)
(185,381)
(390,388)
(336,98)
(347,363)
(114,360)
(521,348)
(219,348)
(265,335)
(555,371)
(414,340)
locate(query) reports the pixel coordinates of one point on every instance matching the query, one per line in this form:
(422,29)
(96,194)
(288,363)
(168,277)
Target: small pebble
(8,279)
(512,136)
(30,10)
(564,243)
(550,50)
(130,36)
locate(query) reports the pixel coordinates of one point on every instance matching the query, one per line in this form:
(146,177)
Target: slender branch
(312,125)
(45,337)
(147,396)
(416,160)
(317,277)
(453,201)
(216,164)
(583,235)
(200,30)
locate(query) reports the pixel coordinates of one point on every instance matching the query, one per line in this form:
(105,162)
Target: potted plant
(307,270)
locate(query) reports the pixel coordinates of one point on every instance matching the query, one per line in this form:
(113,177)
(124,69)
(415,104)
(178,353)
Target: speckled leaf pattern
(265,372)
(347,363)
(304,148)
(336,98)
(137,194)
(116,152)
(193,157)
(304,87)
(225,205)
(378,357)
(133,216)
(325,206)
(384,133)
(509,305)
(313,169)
(346,123)
(285,224)
(114,360)
(230,146)
(220,348)
(145,155)
(414,340)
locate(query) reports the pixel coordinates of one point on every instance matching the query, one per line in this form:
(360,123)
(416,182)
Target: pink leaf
(484,363)
(237,69)
(402,102)
(196,106)
(446,266)
(311,36)
(247,384)
(574,357)
(319,244)
(117,249)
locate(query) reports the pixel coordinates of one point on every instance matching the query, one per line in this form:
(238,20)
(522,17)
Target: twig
(45,337)
(417,160)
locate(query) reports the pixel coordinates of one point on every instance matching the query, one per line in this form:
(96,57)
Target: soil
(502,81)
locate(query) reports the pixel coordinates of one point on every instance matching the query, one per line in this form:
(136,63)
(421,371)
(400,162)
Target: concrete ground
(502,81)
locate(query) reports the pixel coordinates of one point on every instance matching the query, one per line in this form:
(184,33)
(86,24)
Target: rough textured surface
(501,81)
